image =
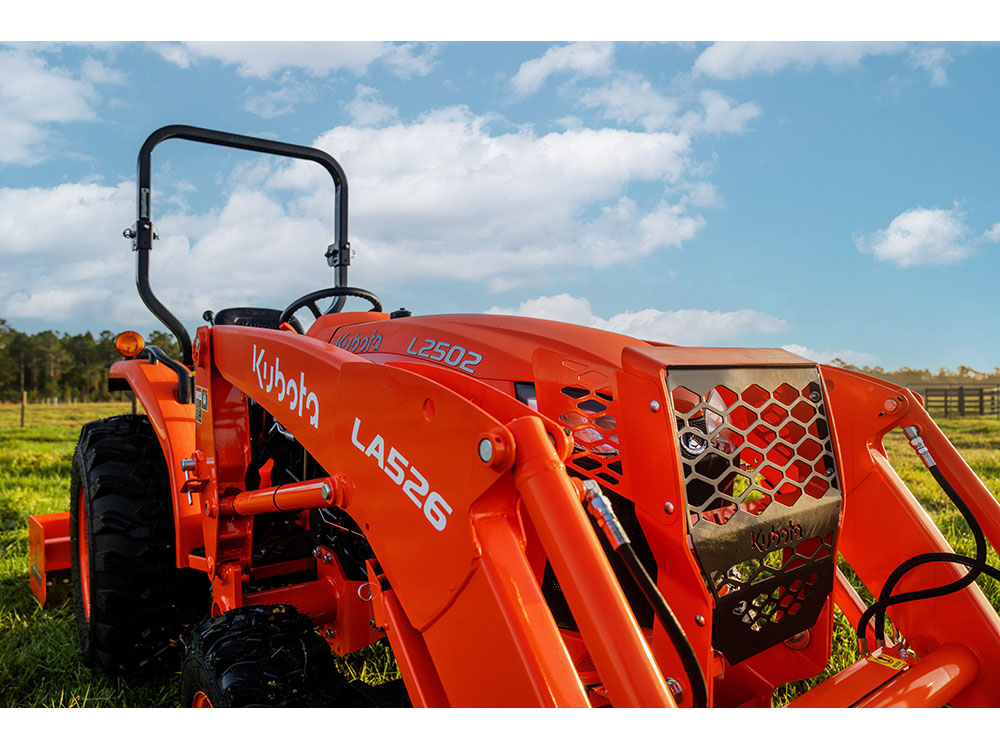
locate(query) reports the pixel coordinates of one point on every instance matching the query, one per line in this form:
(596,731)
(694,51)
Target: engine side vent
(592,420)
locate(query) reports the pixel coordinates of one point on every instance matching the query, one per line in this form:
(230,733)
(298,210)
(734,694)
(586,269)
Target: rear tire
(132,603)
(268,655)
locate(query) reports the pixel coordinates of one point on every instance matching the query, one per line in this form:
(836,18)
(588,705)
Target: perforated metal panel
(763,498)
(590,415)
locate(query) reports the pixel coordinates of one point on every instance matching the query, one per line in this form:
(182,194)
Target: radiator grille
(763,498)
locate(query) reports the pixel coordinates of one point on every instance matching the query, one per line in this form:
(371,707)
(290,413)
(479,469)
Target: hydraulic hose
(976,566)
(669,622)
(599,507)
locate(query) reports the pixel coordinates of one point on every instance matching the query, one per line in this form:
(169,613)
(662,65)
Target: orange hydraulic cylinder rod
(615,642)
(931,682)
(316,493)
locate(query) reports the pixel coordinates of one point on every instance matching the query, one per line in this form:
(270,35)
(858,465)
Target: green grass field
(39,664)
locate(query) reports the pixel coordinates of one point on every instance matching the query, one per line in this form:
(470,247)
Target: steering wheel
(309,301)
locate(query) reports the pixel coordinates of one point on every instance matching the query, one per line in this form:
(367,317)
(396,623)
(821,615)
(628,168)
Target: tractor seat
(254,317)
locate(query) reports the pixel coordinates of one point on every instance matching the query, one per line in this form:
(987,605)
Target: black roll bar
(338,254)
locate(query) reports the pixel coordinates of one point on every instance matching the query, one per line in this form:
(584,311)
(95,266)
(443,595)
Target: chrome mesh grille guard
(763,498)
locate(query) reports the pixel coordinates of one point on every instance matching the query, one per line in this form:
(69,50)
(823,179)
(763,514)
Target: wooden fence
(949,400)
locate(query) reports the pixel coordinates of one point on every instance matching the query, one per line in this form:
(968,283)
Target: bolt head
(675,689)
(485,450)
(815,395)
(325,491)
(668,508)
(654,406)
(799,641)
(890,405)
(700,619)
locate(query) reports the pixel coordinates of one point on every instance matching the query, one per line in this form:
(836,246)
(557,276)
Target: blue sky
(839,199)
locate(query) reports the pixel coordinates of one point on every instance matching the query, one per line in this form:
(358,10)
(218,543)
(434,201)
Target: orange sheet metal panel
(48,549)
(155,387)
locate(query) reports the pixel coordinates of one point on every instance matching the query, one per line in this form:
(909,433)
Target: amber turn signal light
(129,344)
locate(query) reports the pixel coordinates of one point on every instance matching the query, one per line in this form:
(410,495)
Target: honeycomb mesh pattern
(763,498)
(591,418)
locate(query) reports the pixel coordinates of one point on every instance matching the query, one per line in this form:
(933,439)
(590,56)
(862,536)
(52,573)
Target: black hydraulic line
(976,566)
(669,622)
(604,515)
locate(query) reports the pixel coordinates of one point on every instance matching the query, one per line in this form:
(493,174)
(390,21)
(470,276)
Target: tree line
(52,366)
(962,375)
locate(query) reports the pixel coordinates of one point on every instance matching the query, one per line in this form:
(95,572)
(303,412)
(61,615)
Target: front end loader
(528,513)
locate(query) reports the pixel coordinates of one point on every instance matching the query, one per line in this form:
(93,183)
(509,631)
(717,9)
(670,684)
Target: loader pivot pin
(485,450)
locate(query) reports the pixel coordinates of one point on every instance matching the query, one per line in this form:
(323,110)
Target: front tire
(268,655)
(132,603)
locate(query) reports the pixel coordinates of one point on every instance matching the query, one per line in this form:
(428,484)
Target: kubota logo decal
(360,344)
(396,467)
(270,377)
(762,540)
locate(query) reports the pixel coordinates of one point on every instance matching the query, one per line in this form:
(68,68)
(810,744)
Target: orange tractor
(531,513)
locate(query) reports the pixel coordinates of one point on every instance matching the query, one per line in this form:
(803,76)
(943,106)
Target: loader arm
(443,522)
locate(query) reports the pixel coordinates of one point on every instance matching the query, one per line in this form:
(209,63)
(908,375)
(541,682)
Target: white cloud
(992,234)
(97,72)
(731,60)
(282,100)
(630,98)
(32,90)
(579,58)
(851,357)
(203,261)
(441,199)
(178,54)
(408,60)
(367,108)
(44,276)
(444,197)
(262,59)
(933,60)
(703,195)
(689,327)
(719,115)
(920,237)
(34,95)
(20,141)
